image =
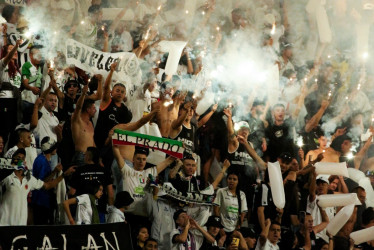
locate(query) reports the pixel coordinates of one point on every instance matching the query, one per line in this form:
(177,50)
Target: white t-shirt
(115,215)
(46,125)
(229,208)
(4,77)
(267,246)
(31,154)
(13,208)
(313,209)
(84,210)
(134,183)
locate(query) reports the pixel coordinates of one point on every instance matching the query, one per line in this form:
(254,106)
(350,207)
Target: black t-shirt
(108,118)
(280,139)
(67,110)
(86,175)
(187,136)
(242,162)
(264,200)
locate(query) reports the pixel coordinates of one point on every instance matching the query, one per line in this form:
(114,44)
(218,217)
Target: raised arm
(8,57)
(164,164)
(173,172)
(300,103)
(360,155)
(313,122)
(182,238)
(325,220)
(343,185)
(265,232)
(78,109)
(312,186)
(117,155)
(144,120)
(230,126)
(217,181)
(35,114)
(206,118)
(58,92)
(54,183)
(206,235)
(252,152)
(176,125)
(99,93)
(106,93)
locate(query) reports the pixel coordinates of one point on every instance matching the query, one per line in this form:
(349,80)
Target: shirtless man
(340,146)
(169,108)
(82,127)
(322,141)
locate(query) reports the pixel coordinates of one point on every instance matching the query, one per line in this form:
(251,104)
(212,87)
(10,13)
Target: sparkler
(28,34)
(272,32)
(300,141)
(350,155)
(329,95)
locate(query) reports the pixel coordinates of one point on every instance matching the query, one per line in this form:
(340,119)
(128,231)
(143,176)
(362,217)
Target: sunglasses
(74,85)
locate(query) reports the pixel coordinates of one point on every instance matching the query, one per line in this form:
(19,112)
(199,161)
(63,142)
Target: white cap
(323,177)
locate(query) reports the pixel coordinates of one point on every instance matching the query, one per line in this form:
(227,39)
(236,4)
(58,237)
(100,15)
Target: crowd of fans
(58,121)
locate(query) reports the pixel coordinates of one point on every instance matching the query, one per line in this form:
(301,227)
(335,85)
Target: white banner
(17,2)
(98,62)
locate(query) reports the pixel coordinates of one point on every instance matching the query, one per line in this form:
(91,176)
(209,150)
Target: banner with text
(5,163)
(196,198)
(22,3)
(113,236)
(98,62)
(170,147)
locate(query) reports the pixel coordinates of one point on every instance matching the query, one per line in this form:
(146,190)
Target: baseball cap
(69,83)
(243,124)
(323,177)
(214,221)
